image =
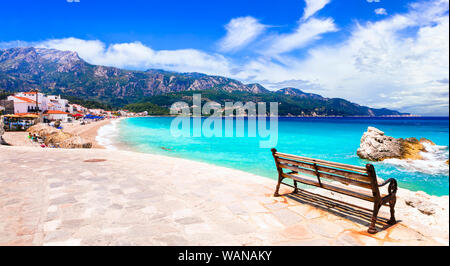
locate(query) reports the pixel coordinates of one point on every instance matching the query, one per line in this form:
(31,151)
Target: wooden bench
(360,182)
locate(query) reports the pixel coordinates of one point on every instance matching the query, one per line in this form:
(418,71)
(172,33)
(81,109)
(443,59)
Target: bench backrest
(364,177)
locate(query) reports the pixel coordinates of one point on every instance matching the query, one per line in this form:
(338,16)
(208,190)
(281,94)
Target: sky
(380,53)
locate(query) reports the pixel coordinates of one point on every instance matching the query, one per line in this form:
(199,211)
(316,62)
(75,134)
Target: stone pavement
(104,197)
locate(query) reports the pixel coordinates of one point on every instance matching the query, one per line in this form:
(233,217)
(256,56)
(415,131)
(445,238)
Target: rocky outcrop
(56,137)
(427,213)
(2,131)
(424,206)
(417,210)
(299,93)
(376,146)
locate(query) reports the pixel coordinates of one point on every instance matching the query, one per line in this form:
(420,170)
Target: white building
(56,103)
(25,102)
(78,108)
(96,111)
(54,115)
(53,106)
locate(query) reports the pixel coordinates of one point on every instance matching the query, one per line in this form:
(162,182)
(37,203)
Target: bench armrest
(386,182)
(392,189)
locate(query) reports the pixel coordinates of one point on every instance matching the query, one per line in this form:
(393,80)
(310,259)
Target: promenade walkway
(104,197)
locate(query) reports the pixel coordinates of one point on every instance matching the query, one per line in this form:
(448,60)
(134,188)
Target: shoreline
(184,193)
(88,132)
(119,146)
(200,203)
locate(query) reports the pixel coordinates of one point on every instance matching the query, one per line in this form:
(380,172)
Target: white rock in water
(375,130)
(376,146)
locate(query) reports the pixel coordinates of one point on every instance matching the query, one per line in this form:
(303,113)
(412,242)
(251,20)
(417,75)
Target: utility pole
(37,103)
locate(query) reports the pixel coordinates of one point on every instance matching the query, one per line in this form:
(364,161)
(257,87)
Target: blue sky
(167,24)
(382,53)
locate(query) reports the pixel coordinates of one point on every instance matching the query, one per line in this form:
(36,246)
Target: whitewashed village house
(54,115)
(25,102)
(76,108)
(52,106)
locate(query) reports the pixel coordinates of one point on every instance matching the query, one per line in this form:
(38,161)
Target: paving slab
(53,197)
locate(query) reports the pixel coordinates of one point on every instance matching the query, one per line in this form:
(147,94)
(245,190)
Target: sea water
(334,139)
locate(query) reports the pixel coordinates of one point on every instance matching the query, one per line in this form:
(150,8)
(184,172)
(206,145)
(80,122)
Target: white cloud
(312,6)
(240,32)
(378,65)
(305,33)
(373,1)
(399,62)
(137,55)
(380,11)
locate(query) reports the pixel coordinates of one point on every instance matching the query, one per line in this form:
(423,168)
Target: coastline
(411,174)
(88,132)
(415,203)
(186,192)
(102,140)
(115,197)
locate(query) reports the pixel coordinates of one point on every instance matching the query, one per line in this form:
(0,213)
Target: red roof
(24,99)
(53,112)
(24,114)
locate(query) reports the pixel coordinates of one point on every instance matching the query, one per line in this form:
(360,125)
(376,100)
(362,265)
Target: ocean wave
(107,135)
(434,161)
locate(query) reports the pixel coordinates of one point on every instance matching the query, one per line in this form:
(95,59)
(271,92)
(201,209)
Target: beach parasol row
(89,116)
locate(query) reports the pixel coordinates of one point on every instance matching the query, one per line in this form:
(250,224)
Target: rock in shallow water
(376,146)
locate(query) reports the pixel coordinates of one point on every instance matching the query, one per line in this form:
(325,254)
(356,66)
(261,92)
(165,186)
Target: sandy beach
(115,197)
(87,132)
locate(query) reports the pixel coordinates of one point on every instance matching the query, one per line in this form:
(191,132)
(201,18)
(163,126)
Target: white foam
(434,161)
(107,135)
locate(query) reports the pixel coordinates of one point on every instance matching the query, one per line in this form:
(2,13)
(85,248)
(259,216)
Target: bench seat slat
(298,169)
(327,176)
(302,164)
(322,162)
(347,174)
(352,193)
(346,180)
(356,176)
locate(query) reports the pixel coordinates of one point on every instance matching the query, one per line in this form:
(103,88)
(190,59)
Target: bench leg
(392,202)
(277,189)
(372,228)
(295,185)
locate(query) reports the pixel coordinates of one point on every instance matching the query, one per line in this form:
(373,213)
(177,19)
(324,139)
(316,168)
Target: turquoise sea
(335,139)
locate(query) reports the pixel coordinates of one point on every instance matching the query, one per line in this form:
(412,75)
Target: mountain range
(65,73)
